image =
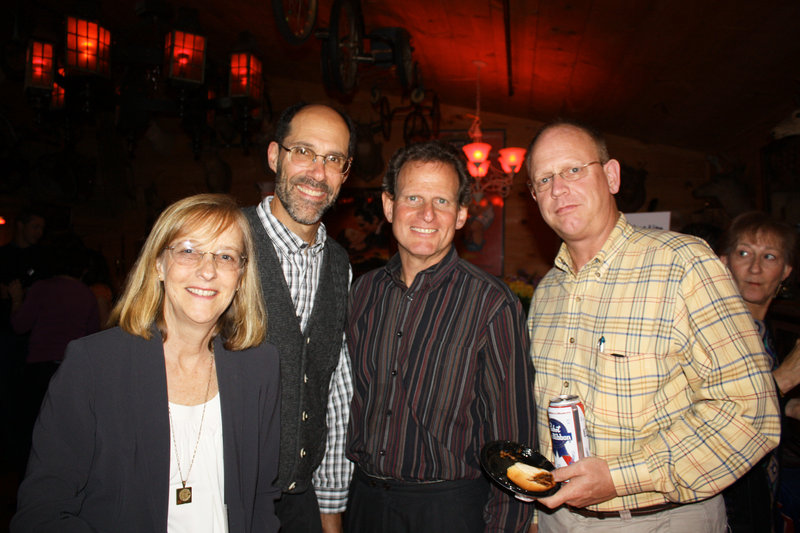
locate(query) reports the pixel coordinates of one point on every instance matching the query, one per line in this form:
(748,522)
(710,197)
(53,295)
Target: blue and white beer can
(568,429)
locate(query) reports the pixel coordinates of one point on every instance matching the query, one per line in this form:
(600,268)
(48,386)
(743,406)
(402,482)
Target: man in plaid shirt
(648,329)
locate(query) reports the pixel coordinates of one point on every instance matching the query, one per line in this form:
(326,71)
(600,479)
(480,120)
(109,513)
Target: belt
(625,513)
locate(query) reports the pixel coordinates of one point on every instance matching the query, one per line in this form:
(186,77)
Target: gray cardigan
(307,358)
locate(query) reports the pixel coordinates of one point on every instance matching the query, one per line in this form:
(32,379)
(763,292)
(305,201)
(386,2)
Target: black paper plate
(498,455)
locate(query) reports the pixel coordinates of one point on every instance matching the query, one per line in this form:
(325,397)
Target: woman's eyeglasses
(187,256)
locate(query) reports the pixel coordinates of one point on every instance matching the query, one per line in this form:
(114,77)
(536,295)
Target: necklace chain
(199,431)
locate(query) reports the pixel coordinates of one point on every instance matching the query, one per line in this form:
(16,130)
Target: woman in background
(168,422)
(54,310)
(760,252)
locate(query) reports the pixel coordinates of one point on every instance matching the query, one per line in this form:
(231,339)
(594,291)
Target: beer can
(568,429)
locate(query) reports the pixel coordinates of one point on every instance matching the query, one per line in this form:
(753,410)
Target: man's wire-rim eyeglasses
(305,157)
(544,182)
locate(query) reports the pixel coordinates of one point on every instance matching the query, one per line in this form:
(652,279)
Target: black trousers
(749,503)
(389,506)
(299,513)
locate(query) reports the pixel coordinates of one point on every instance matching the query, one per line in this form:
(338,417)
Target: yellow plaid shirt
(679,400)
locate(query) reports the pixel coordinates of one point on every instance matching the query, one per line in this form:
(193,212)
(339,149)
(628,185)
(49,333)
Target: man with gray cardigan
(311,156)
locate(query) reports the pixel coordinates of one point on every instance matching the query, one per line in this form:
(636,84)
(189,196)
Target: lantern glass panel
(39,65)
(245,76)
(239,75)
(186,55)
(88,47)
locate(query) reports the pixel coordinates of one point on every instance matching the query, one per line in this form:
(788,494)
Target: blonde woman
(168,422)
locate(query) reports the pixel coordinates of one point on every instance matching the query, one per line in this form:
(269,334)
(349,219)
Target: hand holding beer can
(568,429)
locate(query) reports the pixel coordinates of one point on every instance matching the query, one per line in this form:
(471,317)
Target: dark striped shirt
(441,368)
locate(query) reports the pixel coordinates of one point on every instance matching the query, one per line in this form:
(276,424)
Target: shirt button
(302,452)
(597,274)
(292,485)
(305,416)
(399,333)
(308,340)
(577,298)
(394,372)
(566,384)
(382,453)
(305,378)
(389,412)
(572,340)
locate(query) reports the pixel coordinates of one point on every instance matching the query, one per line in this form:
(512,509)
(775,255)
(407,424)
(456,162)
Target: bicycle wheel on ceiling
(345,41)
(295,19)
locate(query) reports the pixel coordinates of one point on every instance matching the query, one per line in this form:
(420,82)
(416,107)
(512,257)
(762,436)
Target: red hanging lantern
(185,56)
(511,159)
(477,153)
(245,76)
(88,47)
(39,66)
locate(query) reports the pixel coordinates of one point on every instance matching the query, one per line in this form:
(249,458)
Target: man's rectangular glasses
(544,182)
(305,157)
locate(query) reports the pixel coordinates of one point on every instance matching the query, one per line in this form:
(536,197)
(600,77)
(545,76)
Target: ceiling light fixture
(489,178)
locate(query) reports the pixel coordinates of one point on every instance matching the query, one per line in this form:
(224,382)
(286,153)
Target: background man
(311,156)
(22,259)
(440,364)
(648,329)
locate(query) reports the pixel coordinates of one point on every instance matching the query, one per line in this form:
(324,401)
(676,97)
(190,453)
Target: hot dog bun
(530,478)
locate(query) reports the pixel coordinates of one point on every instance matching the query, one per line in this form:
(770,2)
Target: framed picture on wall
(480,241)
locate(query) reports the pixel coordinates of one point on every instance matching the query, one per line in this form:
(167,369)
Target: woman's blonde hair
(243,324)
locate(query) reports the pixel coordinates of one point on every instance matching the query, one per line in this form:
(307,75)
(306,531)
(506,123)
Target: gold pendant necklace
(184,493)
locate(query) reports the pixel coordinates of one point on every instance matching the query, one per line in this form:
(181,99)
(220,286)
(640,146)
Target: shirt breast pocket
(623,393)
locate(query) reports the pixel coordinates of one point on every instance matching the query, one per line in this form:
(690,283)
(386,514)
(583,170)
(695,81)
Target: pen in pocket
(601,347)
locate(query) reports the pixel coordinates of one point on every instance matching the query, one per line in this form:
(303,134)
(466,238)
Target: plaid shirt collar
(616,239)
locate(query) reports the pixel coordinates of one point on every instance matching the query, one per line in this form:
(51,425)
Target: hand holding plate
(590,482)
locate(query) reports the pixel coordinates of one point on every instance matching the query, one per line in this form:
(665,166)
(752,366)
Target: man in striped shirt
(649,330)
(440,363)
